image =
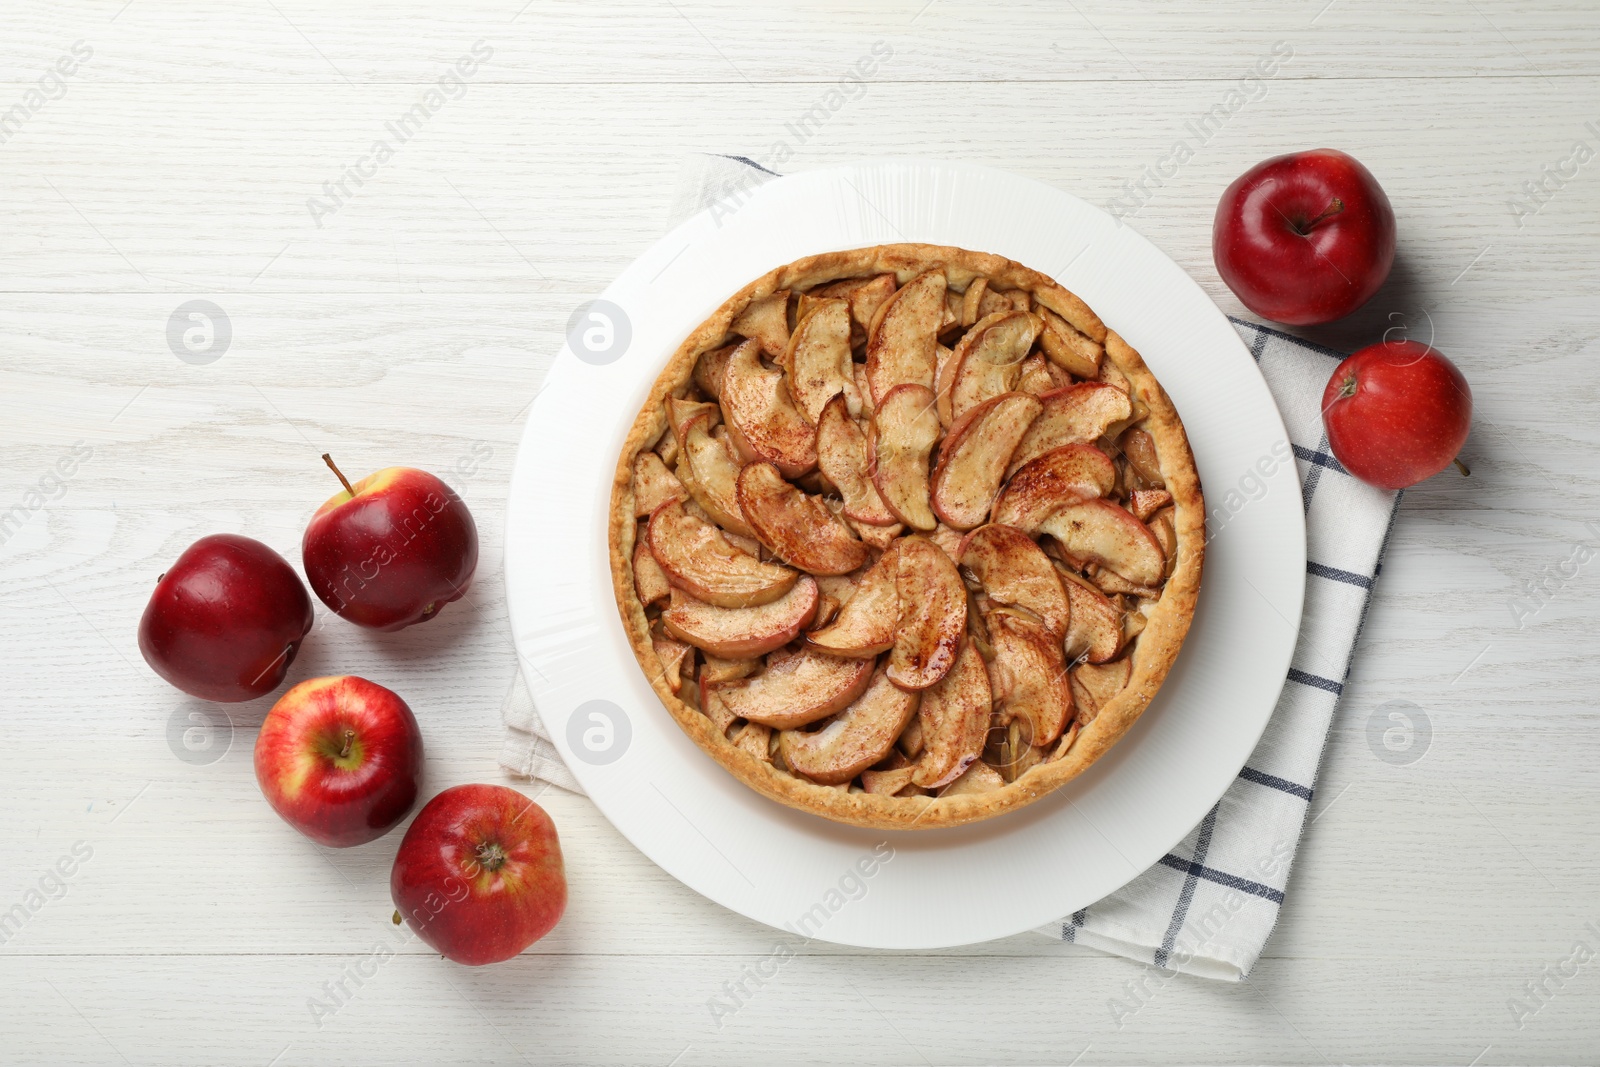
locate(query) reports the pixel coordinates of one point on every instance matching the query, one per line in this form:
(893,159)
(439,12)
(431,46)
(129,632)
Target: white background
(418,320)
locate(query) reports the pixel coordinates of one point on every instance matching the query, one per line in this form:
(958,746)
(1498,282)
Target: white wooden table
(411,322)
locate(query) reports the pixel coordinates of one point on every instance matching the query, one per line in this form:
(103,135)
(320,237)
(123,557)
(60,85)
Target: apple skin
(479,875)
(394,553)
(334,794)
(1396,412)
(1286,264)
(225,620)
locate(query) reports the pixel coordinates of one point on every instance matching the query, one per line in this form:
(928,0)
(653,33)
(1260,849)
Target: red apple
(1304,238)
(392,549)
(479,874)
(1396,412)
(225,620)
(340,759)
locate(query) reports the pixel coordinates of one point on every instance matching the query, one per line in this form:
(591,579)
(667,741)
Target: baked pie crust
(954,390)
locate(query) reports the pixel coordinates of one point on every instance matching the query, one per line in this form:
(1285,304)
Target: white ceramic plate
(917,889)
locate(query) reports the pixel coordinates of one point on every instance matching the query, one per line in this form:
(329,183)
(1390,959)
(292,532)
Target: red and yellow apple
(340,759)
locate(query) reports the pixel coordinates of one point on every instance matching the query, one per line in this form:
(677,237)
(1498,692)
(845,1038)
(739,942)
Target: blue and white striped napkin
(1208,907)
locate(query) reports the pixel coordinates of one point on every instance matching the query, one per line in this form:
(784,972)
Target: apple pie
(905,537)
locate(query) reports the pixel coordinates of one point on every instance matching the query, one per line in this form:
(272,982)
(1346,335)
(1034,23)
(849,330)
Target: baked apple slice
(979,778)
(865,625)
(712,477)
(1140,448)
(682,414)
(1094,685)
(766,320)
(988,360)
(763,422)
(902,347)
(1040,377)
(1094,631)
(708,370)
(649,580)
(798,691)
(1014,570)
(842,458)
(866,296)
(653,484)
(672,655)
(1029,677)
(954,715)
(1144,503)
(698,559)
(1067,348)
(1050,482)
(973,458)
(1100,532)
(795,525)
(904,431)
(741,633)
(861,736)
(932,614)
(818,360)
(1076,415)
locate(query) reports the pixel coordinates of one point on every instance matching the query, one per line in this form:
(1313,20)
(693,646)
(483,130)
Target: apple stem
(342,479)
(491,857)
(1332,209)
(349,738)
(1462,467)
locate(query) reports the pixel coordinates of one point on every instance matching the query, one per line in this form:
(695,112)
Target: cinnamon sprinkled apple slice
(1095,629)
(1014,570)
(1050,482)
(795,526)
(1076,415)
(653,484)
(649,580)
(818,360)
(741,633)
(861,736)
(698,558)
(974,456)
(955,721)
(932,614)
(762,420)
(842,458)
(866,296)
(1029,675)
(1098,531)
(902,346)
(904,431)
(865,625)
(711,475)
(799,690)
(766,320)
(988,360)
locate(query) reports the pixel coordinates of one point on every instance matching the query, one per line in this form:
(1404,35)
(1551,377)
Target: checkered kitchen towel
(1208,907)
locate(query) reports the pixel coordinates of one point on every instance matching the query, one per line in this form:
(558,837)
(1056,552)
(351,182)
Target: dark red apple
(340,760)
(479,874)
(1304,238)
(225,620)
(1397,412)
(392,549)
